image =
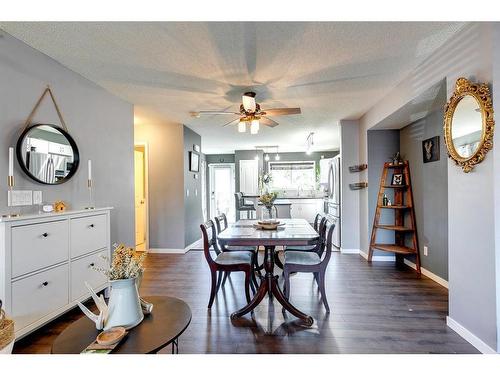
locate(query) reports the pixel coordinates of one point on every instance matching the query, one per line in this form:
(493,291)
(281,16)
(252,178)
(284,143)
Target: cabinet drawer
(37,246)
(82,271)
(39,295)
(88,234)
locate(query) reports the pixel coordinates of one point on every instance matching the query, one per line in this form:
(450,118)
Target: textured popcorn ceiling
(332,71)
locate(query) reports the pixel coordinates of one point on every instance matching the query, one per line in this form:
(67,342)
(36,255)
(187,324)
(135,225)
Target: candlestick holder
(90,188)
(10,184)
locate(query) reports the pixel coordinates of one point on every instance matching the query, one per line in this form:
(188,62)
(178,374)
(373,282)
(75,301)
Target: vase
(269,213)
(124,305)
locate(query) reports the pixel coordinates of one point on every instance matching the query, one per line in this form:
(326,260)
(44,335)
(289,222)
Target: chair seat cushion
(234,257)
(241,248)
(300,248)
(302,257)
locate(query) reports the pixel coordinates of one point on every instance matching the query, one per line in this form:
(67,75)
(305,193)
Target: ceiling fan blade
(268,122)
(248,101)
(232,122)
(282,111)
(211,113)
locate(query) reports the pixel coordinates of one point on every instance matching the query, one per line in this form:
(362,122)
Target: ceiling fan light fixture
(254,126)
(248,101)
(242,126)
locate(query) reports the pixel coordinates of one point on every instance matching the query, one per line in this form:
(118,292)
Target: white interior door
(249,177)
(140,198)
(222,190)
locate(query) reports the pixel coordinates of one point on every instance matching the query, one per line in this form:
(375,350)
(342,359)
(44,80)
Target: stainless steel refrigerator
(333,203)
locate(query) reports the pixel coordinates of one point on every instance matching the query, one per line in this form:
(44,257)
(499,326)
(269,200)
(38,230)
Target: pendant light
(254,126)
(267,158)
(242,126)
(277,157)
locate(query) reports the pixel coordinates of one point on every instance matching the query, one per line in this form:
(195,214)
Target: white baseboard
(428,273)
(349,251)
(167,251)
(378,258)
(176,251)
(469,336)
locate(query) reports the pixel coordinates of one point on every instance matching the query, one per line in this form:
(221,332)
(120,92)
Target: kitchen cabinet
(306,208)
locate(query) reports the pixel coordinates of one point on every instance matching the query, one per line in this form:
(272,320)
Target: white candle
(11,161)
(90,169)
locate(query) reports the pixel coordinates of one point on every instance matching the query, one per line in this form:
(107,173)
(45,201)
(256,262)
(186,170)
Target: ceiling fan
(251,113)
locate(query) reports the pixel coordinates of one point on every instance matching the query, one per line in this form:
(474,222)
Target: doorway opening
(222,190)
(141,196)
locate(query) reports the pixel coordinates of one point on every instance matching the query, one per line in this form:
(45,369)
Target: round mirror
(467,127)
(47,154)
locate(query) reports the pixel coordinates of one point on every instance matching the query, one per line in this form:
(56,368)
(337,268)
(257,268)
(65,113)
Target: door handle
(142,201)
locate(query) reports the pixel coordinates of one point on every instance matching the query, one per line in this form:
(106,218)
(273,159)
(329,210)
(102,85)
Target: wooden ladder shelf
(404,226)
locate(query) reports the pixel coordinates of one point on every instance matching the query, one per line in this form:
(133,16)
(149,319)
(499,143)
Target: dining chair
(245,206)
(319,222)
(227,261)
(315,261)
(221,225)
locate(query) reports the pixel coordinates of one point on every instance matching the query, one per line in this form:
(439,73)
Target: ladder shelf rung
(394,248)
(397,228)
(394,207)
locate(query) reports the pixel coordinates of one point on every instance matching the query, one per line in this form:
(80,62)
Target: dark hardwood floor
(375,309)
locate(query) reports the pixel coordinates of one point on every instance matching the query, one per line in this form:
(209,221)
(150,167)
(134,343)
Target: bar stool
(247,207)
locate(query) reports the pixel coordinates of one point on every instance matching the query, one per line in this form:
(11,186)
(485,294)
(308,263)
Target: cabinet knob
(45,234)
(92,264)
(91,225)
(45,283)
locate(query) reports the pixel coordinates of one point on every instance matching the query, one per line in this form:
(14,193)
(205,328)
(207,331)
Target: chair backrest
(239,200)
(317,221)
(209,239)
(329,227)
(221,222)
(221,225)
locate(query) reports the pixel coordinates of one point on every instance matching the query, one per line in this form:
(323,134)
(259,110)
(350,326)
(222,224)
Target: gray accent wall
(193,215)
(100,123)
(430,191)
(349,199)
(382,144)
(166,183)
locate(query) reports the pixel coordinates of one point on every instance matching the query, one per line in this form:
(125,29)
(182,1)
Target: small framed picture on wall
(397,179)
(430,149)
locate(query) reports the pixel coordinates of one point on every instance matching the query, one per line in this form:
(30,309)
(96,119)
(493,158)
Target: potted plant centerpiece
(267,200)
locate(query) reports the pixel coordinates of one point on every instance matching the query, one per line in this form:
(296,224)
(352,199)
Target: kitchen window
(293,175)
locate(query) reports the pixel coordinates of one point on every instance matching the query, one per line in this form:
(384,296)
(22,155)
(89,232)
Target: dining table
(291,232)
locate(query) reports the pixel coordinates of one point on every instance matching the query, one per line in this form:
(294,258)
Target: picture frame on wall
(397,179)
(430,149)
(194,162)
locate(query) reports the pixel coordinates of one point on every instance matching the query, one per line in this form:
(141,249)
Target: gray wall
(166,183)
(100,123)
(349,199)
(430,191)
(193,216)
(382,144)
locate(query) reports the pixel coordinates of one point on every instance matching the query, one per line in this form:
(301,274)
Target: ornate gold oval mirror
(468,124)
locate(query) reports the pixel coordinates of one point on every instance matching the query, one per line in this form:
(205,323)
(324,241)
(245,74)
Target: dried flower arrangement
(127,264)
(268,199)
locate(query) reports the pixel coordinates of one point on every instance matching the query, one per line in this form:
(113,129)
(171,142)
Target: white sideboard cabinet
(45,260)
